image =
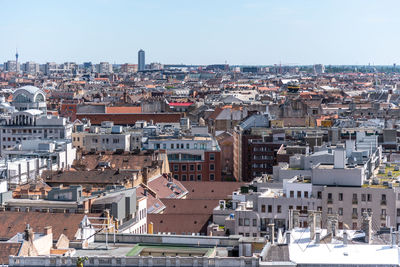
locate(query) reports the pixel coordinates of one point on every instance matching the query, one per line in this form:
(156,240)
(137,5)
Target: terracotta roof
(62,223)
(105,177)
(128,161)
(180,104)
(130,119)
(124,110)
(165,189)
(211,190)
(189,206)
(154,205)
(8,249)
(179,223)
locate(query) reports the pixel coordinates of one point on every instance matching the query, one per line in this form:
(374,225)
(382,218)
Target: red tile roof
(8,249)
(211,190)
(124,110)
(130,119)
(62,223)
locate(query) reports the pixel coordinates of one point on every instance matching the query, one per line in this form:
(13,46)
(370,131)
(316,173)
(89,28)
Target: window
(329,195)
(240,222)
(212,177)
(198,177)
(191,167)
(305,194)
(354,211)
(319,194)
(198,167)
(191,177)
(329,210)
(290,207)
(246,222)
(340,197)
(383,212)
(269,208)
(176,167)
(183,167)
(340,211)
(383,197)
(115,141)
(164,146)
(172,146)
(187,146)
(363,198)
(263,209)
(182,146)
(291,193)
(298,194)
(279,209)
(212,167)
(369,197)
(398,212)
(183,177)
(212,156)
(254,222)
(254,234)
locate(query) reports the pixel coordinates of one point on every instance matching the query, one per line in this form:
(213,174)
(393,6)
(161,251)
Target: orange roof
(101,79)
(116,110)
(78,82)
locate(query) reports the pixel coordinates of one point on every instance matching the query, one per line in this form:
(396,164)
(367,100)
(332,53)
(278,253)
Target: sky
(238,32)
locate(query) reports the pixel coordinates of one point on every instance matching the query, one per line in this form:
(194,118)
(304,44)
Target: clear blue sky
(258,32)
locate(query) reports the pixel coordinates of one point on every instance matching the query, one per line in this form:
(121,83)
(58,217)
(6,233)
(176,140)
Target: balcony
(383,202)
(383,216)
(354,216)
(355,201)
(329,201)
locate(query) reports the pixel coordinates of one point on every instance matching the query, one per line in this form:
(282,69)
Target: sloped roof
(257,120)
(211,190)
(61,223)
(8,249)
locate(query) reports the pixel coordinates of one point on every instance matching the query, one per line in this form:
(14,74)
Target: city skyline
(201,33)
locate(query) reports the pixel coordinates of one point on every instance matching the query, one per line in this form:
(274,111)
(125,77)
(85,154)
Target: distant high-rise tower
(141,62)
(16,60)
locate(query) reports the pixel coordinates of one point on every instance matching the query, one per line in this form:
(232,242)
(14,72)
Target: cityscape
(136,158)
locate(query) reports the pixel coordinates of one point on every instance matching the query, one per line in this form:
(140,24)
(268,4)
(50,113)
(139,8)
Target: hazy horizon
(205,32)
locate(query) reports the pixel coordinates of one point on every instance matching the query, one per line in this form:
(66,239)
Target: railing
(330,201)
(383,202)
(354,216)
(355,201)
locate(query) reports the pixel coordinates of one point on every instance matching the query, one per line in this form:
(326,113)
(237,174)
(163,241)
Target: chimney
(48,230)
(345,238)
(288,237)
(393,236)
(317,237)
(311,223)
(272,232)
(144,175)
(367,226)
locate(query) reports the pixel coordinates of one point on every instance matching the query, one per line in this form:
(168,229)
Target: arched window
(39,98)
(22,98)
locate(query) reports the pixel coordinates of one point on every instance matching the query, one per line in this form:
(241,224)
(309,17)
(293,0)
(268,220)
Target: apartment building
(345,187)
(255,148)
(191,158)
